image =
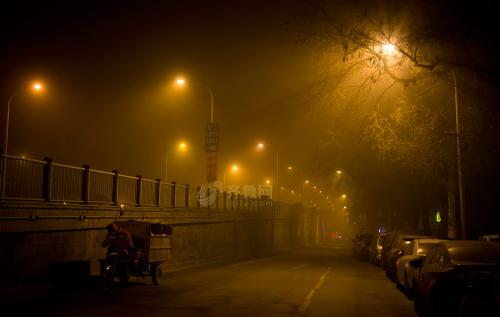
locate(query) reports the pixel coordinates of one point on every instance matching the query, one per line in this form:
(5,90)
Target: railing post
(47,179)
(85,183)
(231,200)
(138,190)
(186,196)
(114,192)
(224,199)
(238,201)
(158,192)
(217,198)
(172,194)
(198,190)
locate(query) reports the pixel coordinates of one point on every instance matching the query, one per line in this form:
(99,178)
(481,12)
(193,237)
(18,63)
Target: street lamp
(234,169)
(182,82)
(36,87)
(181,148)
(260,147)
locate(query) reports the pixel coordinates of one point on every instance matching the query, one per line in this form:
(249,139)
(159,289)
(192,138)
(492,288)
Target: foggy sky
(107,67)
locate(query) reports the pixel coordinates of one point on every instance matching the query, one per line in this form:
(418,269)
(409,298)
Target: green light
(438,217)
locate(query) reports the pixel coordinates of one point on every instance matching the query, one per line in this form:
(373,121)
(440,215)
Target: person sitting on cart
(118,239)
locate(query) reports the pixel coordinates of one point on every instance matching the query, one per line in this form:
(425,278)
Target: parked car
(360,245)
(405,273)
(375,249)
(490,237)
(400,243)
(388,243)
(459,278)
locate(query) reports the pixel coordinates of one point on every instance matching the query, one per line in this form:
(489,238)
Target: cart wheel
(123,274)
(107,276)
(156,273)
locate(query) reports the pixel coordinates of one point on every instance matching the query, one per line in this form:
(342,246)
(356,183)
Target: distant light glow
(307,181)
(268,181)
(344,195)
(290,168)
(260,146)
(182,146)
(235,168)
(338,172)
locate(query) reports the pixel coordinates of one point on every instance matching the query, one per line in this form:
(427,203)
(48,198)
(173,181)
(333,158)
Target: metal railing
(25,179)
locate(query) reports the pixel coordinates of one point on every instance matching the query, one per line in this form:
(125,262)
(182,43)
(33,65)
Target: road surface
(321,280)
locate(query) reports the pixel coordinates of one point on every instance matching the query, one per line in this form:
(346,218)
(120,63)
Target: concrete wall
(34,238)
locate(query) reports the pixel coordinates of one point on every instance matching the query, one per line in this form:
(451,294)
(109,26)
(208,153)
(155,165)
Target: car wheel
(156,273)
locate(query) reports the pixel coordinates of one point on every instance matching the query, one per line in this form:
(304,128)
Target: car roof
(491,236)
(428,240)
(457,243)
(415,236)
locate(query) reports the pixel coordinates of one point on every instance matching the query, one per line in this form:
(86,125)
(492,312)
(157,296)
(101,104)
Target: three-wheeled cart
(152,246)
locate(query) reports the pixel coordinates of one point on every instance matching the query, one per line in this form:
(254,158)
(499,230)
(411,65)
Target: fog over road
(321,280)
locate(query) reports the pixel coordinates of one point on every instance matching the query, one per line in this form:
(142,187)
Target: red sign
(212,138)
(211,167)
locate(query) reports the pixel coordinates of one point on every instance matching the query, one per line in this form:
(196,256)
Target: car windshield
(474,253)
(423,248)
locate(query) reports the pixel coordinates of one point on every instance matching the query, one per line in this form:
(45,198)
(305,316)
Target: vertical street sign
(212,138)
(211,148)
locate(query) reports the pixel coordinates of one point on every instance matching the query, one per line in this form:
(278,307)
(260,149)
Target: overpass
(53,214)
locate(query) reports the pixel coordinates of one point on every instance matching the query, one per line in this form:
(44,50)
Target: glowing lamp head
(180,82)
(307,181)
(235,168)
(388,49)
(268,181)
(344,195)
(290,168)
(37,87)
(260,146)
(182,147)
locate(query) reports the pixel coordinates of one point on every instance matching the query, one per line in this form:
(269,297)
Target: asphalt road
(314,281)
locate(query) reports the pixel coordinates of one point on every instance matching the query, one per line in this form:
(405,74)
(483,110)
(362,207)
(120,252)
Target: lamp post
(260,147)
(463,228)
(181,148)
(36,87)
